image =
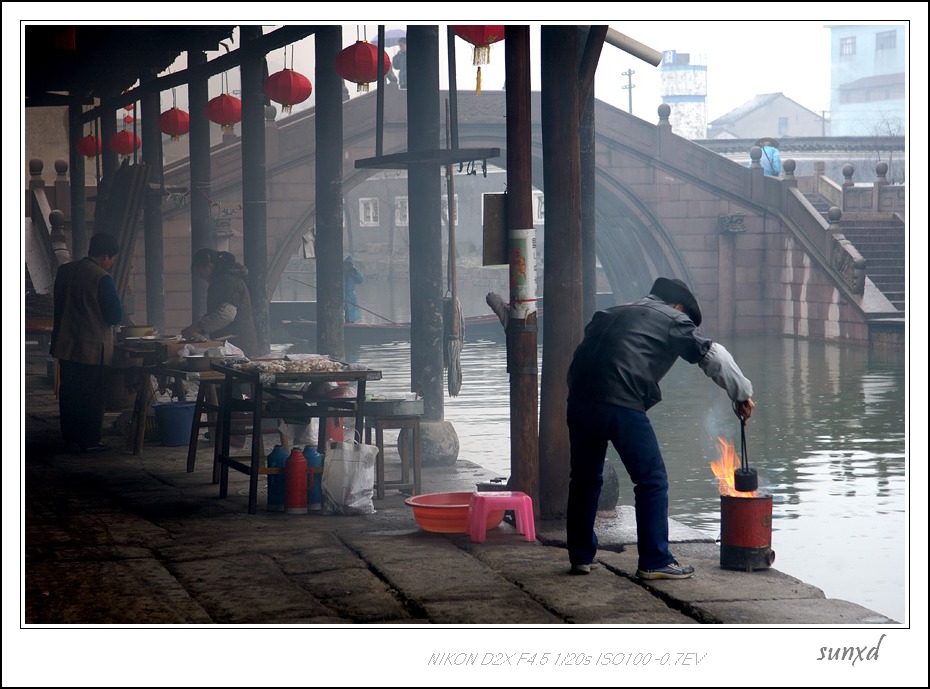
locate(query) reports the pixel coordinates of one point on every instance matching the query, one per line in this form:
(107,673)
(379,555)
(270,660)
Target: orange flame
(724,467)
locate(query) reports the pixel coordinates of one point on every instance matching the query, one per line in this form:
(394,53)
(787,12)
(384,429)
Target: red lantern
(129,119)
(174,122)
(480,36)
(124,142)
(90,146)
(225,110)
(129,107)
(359,64)
(288,88)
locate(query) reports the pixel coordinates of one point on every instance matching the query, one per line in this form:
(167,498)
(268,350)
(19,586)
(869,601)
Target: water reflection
(827,439)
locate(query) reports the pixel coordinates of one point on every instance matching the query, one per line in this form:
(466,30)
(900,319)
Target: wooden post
(522,325)
(154,238)
(199,145)
(562,279)
(254,206)
(109,162)
(588,238)
(79,238)
(425,218)
(329,229)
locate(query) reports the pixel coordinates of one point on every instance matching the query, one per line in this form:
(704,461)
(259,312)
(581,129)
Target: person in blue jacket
(771,158)
(351,276)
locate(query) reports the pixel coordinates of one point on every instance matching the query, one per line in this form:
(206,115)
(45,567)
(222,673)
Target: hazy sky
(745,55)
(744,58)
(735,72)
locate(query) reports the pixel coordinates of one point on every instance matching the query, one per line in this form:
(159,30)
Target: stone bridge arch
(754,251)
(632,243)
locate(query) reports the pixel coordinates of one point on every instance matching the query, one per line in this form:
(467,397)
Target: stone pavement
(117,539)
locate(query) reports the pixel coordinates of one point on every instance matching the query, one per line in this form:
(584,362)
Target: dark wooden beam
(272,41)
(589,59)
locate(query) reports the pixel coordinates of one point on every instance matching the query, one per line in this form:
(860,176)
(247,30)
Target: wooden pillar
(425,217)
(79,238)
(254,210)
(522,325)
(562,275)
(588,238)
(199,143)
(109,159)
(152,219)
(329,201)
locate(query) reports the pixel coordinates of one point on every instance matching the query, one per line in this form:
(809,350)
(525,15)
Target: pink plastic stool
(482,503)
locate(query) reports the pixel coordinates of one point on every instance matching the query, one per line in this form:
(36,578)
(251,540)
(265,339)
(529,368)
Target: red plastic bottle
(295,475)
(334,424)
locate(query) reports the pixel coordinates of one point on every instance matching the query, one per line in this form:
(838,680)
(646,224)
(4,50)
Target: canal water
(828,439)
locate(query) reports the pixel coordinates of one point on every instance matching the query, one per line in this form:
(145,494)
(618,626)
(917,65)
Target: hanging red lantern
(174,122)
(225,110)
(90,146)
(480,36)
(129,119)
(288,88)
(359,64)
(124,142)
(129,107)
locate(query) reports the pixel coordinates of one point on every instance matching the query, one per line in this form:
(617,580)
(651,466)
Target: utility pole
(630,86)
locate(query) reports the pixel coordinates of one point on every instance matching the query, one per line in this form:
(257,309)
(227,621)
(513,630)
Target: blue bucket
(175,420)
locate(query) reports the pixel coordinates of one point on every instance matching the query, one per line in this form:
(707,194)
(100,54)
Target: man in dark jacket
(612,381)
(87,307)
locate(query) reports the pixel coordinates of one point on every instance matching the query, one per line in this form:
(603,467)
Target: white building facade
(683,85)
(867,79)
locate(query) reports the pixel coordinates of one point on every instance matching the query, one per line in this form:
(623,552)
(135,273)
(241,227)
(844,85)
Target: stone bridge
(759,257)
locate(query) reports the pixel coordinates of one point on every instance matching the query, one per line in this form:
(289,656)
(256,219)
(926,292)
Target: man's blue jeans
(590,426)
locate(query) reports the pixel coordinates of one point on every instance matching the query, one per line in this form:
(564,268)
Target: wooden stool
(403,415)
(402,423)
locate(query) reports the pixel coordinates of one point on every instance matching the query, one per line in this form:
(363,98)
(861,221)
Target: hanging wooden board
(495,230)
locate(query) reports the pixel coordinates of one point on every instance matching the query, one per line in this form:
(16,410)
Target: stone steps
(882,243)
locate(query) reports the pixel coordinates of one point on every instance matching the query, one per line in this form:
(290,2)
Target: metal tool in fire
(745,479)
(745,518)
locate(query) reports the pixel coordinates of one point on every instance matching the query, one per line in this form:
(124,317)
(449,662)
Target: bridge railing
(879,196)
(824,236)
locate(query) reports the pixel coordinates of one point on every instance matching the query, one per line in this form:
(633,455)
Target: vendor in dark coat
(229,305)
(87,307)
(613,380)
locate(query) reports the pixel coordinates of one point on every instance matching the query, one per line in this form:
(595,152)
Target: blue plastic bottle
(314,494)
(276,485)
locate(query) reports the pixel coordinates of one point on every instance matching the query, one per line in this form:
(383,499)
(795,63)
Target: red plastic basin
(446,512)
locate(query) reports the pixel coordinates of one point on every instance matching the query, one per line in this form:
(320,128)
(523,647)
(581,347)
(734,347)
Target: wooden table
(149,354)
(273,395)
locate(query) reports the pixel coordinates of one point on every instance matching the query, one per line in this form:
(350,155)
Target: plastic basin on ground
(446,512)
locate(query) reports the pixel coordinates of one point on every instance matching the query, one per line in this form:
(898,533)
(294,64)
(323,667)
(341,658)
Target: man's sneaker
(581,569)
(673,570)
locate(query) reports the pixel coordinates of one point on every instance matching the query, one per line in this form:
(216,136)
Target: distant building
(769,114)
(867,80)
(683,85)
